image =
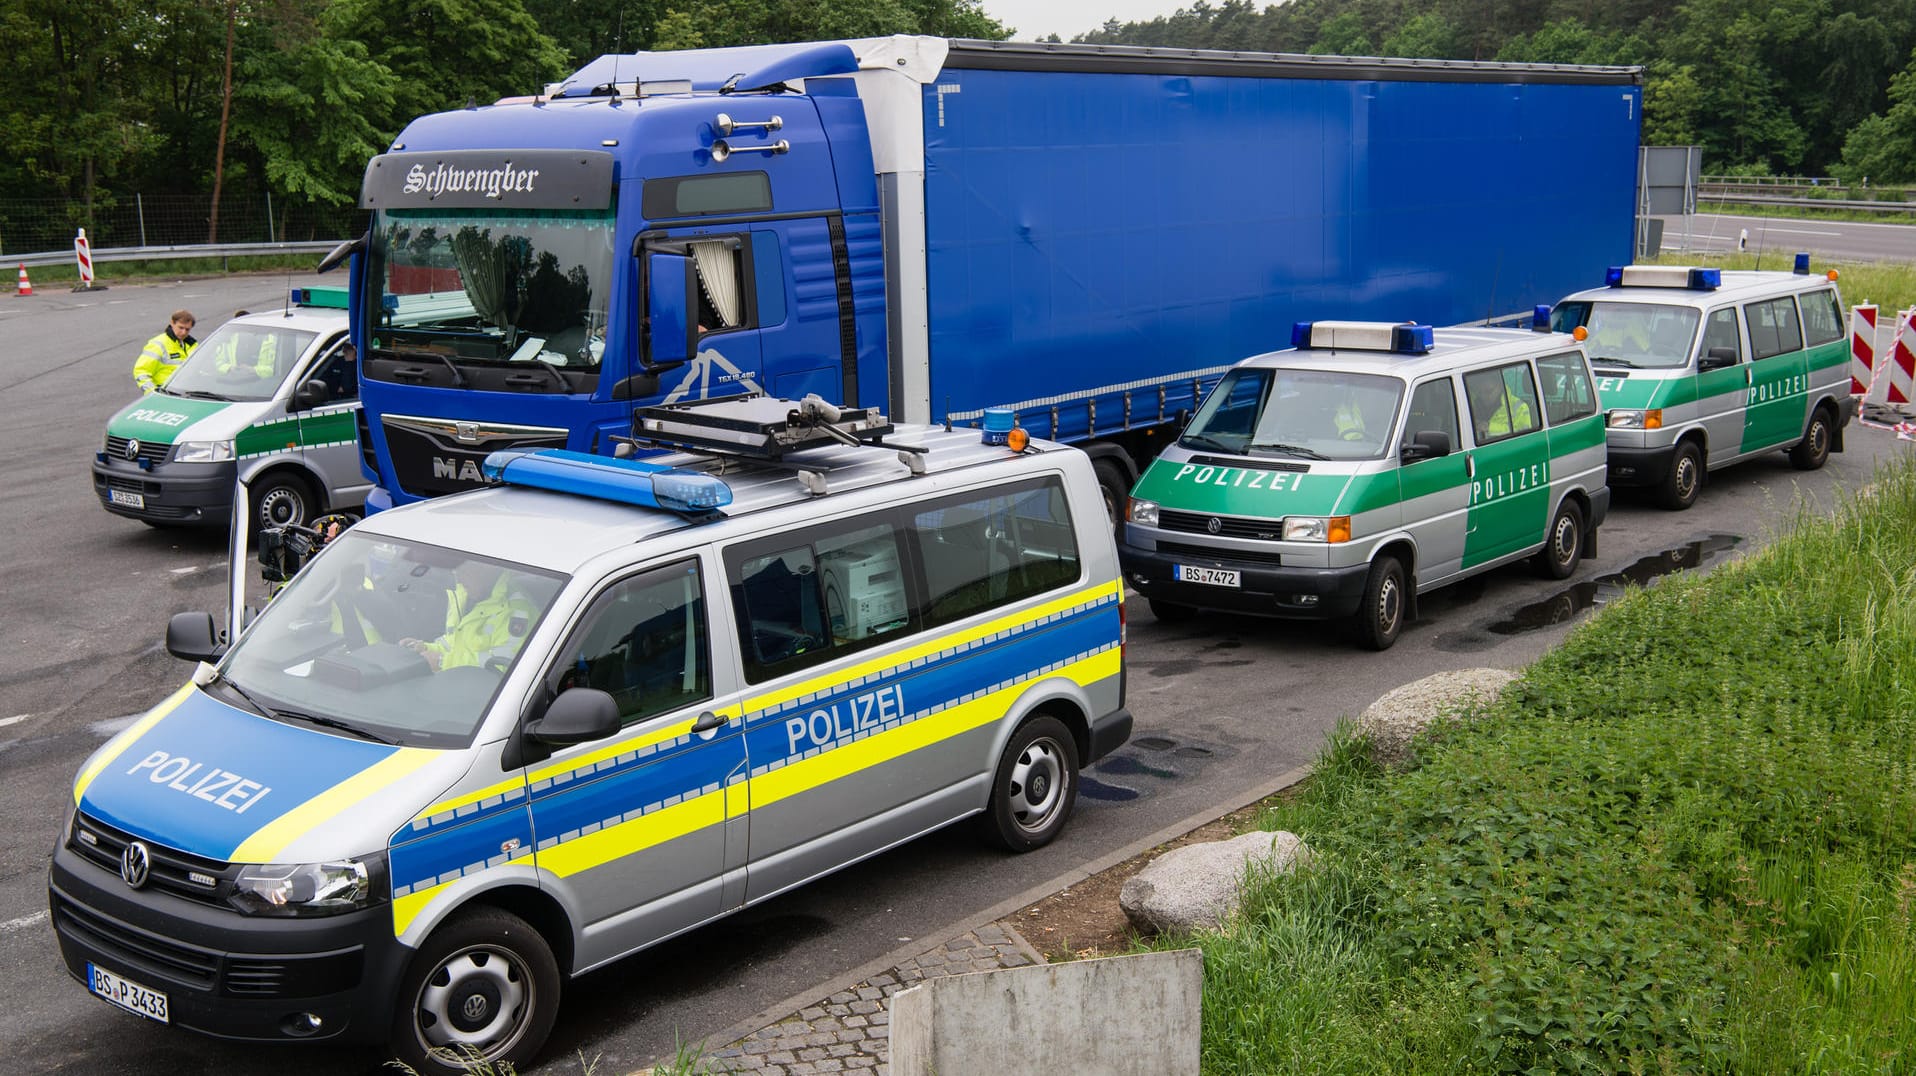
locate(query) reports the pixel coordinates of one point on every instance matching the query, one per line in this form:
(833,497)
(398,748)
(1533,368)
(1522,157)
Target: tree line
(202,97)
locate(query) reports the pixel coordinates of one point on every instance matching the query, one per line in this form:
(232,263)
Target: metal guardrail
(1729,198)
(197,250)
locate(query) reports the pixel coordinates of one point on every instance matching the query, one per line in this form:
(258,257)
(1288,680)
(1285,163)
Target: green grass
(1685,841)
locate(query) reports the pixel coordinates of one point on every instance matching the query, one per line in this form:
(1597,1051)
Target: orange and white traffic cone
(26,286)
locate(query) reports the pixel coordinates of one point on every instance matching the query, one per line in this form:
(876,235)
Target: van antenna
(618,47)
(287,295)
(947,412)
(1761,235)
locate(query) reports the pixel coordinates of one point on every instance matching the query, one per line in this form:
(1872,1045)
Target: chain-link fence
(38,225)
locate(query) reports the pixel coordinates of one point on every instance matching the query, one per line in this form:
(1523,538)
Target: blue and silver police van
(484,744)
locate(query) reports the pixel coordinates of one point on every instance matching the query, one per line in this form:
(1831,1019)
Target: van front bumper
(186,494)
(231,976)
(1264,590)
(1632,466)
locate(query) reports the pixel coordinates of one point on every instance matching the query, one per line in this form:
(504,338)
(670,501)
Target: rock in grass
(1196,887)
(1395,719)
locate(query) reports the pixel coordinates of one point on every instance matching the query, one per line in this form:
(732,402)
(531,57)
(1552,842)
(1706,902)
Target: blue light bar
(1301,334)
(1540,317)
(1613,277)
(1802,263)
(1663,276)
(1412,339)
(636,482)
(1706,279)
(1404,338)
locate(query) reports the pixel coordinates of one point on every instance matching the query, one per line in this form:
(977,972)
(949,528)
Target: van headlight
(203,452)
(309,889)
(1144,512)
(1317,528)
(1632,419)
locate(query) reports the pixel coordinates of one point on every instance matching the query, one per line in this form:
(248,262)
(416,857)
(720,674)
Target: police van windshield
(1302,414)
(488,287)
(240,361)
(395,641)
(1649,336)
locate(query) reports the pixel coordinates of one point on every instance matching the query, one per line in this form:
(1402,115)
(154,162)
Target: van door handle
(1470,465)
(708,721)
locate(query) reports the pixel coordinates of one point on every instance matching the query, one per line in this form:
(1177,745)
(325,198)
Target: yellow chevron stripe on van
(893,659)
(126,739)
(615,842)
(842,761)
(266,844)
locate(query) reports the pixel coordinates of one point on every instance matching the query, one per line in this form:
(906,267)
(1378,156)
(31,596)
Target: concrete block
(1115,1016)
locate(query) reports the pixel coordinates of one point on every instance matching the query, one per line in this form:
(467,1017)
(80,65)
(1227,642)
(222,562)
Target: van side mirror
(1425,445)
(191,637)
(1717,358)
(671,287)
(578,715)
(310,394)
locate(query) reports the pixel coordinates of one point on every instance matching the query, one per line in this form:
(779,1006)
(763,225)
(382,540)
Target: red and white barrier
(1862,348)
(83,256)
(1902,362)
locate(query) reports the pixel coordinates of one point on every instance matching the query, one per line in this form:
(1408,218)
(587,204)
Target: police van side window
(806,598)
(1774,329)
(340,372)
(1433,409)
(643,641)
(1567,392)
(1503,402)
(1720,335)
(1822,318)
(981,551)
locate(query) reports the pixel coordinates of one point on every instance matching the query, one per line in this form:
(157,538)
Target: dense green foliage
(111,97)
(1806,87)
(1684,841)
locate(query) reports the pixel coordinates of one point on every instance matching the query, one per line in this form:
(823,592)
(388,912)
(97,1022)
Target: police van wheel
(1685,478)
(1813,450)
(1563,546)
(282,499)
(1381,617)
(481,993)
(1035,787)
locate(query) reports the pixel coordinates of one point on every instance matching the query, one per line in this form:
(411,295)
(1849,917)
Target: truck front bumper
(1264,590)
(186,494)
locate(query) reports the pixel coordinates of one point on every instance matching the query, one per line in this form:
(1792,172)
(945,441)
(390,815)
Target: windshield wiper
(333,723)
(199,394)
(564,385)
(458,376)
(1200,440)
(1288,450)
(1612,360)
(259,707)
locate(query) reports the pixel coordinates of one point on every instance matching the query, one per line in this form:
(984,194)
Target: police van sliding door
(635,828)
(1510,465)
(1720,393)
(1779,381)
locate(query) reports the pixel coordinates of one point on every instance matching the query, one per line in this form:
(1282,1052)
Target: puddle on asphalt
(1133,769)
(1565,604)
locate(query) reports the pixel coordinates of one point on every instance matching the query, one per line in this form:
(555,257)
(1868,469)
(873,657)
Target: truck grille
(1266,530)
(432,457)
(150,451)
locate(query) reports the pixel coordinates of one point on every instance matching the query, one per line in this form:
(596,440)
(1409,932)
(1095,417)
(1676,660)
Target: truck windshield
(1300,414)
(1637,335)
(490,287)
(240,361)
(394,641)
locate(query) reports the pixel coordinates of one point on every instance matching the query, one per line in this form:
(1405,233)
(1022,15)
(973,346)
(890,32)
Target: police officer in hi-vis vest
(163,354)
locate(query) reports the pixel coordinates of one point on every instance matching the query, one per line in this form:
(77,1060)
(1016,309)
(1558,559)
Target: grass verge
(1685,841)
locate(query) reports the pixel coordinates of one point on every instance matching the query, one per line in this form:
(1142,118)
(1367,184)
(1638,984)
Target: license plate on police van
(127,994)
(1213,577)
(125,499)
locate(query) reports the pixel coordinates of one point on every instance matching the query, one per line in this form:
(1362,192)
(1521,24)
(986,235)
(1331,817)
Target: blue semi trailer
(1086,234)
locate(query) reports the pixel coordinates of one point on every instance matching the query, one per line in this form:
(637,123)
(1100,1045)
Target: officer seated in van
(487,633)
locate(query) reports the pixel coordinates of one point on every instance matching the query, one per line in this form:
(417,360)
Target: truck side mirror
(310,394)
(191,637)
(1425,445)
(1717,358)
(578,715)
(665,336)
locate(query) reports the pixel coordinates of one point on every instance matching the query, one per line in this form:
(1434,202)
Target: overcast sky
(1033,19)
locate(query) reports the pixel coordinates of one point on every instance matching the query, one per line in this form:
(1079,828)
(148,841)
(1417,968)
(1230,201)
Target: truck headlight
(1631,419)
(310,889)
(1317,528)
(1145,512)
(203,452)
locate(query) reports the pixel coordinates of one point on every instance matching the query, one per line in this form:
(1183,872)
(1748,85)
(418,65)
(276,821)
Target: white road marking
(21,923)
(188,570)
(14,720)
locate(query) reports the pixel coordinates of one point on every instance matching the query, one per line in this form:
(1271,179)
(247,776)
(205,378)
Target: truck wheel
(1035,786)
(1563,546)
(1115,489)
(1170,612)
(1381,616)
(1813,451)
(481,995)
(1684,479)
(282,498)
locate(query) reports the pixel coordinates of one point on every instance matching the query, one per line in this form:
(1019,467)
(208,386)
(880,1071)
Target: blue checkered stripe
(1020,654)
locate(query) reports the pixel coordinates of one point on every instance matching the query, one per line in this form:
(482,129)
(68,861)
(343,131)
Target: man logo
(1214,525)
(135,864)
(133,448)
(457,470)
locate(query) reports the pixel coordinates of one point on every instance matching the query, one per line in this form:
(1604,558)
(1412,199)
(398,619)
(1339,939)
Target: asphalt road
(1853,241)
(1222,706)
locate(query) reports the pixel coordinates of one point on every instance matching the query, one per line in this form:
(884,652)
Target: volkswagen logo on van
(1214,525)
(135,864)
(132,450)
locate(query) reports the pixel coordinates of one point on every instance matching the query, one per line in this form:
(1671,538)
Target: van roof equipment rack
(758,426)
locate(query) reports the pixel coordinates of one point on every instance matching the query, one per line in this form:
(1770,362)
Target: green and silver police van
(675,688)
(1368,464)
(271,398)
(1699,368)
